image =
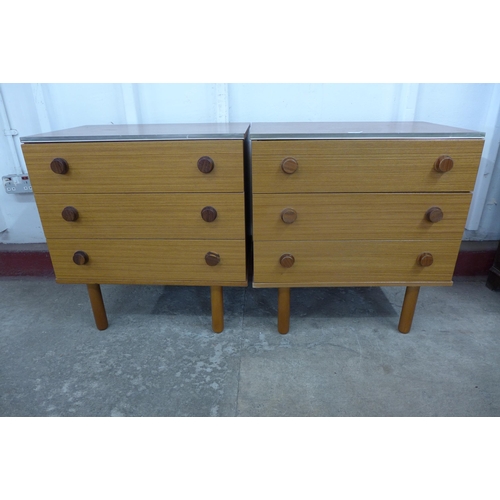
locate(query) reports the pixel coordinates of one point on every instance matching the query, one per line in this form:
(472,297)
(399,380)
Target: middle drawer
(151,215)
(373,216)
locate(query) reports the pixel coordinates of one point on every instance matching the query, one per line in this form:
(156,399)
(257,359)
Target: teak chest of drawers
(331,204)
(143,204)
(359,204)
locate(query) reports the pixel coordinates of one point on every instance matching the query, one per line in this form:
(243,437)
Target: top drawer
(360,165)
(137,166)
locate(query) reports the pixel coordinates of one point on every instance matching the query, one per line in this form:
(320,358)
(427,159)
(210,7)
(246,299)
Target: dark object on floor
(493,281)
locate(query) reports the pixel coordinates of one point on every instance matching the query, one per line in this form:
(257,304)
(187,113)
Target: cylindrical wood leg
(95,295)
(283,310)
(409,303)
(217,299)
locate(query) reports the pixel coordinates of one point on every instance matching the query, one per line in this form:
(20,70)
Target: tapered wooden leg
(217,299)
(409,303)
(283,310)
(95,295)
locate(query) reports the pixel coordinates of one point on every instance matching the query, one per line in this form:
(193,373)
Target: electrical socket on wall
(17,184)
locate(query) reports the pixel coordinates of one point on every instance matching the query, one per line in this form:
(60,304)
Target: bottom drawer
(174,262)
(353,263)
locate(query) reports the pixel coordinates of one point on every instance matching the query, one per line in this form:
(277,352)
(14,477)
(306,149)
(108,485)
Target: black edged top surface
(355,130)
(159,132)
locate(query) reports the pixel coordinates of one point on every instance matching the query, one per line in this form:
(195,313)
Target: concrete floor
(342,357)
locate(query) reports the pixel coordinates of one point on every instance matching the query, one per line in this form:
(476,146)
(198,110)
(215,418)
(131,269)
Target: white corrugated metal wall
(27,109)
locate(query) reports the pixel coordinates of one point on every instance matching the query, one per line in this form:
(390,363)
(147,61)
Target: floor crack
(240,351)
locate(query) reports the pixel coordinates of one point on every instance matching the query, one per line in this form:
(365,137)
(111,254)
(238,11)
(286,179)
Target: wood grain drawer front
(359,216)
(134,167)
(360,165)
(346,263)
(149,262)
(160,216)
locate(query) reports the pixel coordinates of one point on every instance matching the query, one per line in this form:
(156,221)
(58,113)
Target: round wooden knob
(70,214)
(287,260)
(289,165)
(288,215)
(212,258)
(434,214)
(205,164)
(425,259)
(443,164)
(80,258)
(59,166)
(208,214)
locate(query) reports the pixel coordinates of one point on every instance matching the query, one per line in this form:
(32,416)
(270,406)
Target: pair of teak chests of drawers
(282,205)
